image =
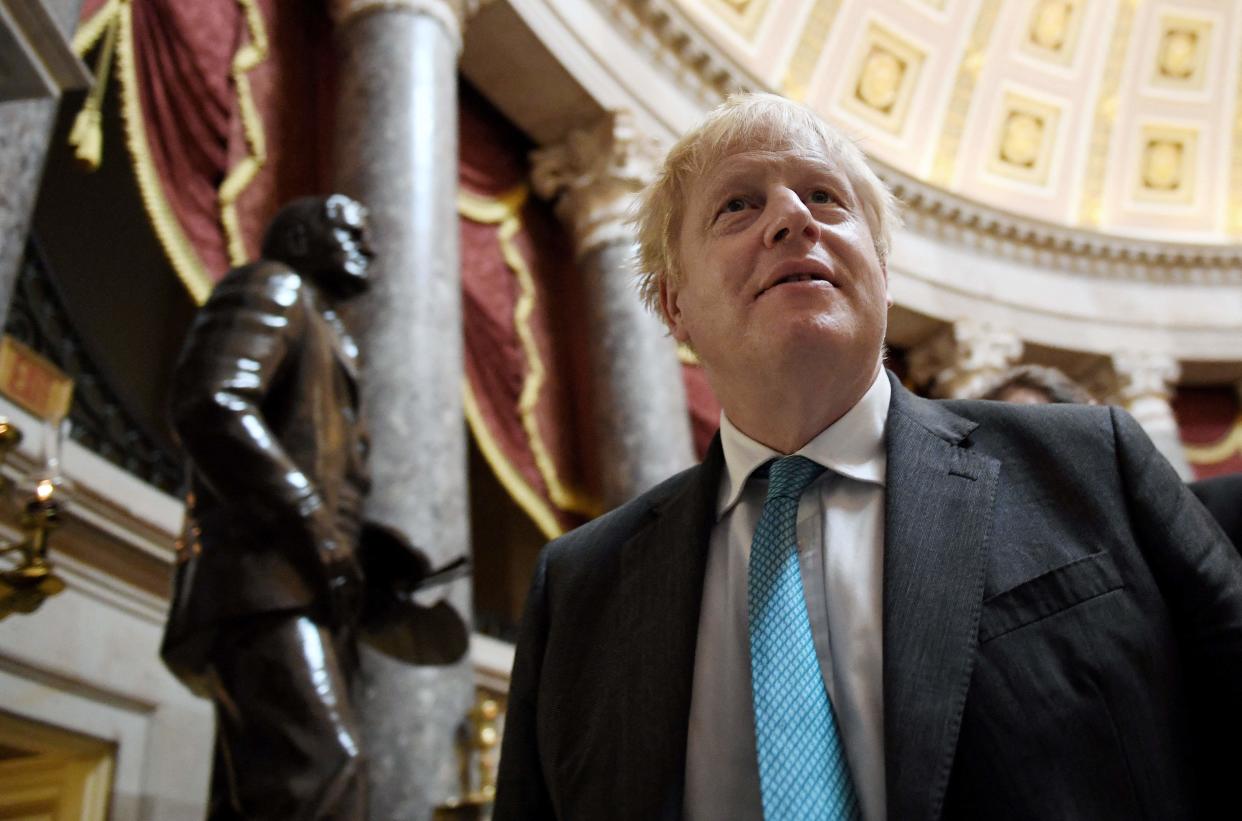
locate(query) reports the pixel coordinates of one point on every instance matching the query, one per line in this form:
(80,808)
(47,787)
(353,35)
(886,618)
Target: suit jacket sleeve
(1200,579)
(521,790)
(236,351)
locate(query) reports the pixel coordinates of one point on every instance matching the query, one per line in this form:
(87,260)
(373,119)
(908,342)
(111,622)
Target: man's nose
(788,217)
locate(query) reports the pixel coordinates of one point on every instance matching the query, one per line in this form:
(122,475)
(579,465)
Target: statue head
(324,239)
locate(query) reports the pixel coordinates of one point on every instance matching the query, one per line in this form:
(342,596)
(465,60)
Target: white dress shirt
(841,550)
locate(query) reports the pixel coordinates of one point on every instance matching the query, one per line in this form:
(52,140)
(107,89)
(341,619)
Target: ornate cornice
(594,177)
(661,27)
(934,211)
(452,14)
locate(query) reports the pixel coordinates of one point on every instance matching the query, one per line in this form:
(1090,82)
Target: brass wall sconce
(29,582)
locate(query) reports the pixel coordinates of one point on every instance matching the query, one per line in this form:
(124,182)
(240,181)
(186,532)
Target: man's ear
(888,294)
(670,292)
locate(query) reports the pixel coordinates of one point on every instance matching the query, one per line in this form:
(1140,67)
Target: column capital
(594,178)
(1145,385)
(452,14)
(1145,374)
(961,359)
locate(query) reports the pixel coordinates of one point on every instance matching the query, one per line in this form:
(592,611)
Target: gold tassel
(86,137)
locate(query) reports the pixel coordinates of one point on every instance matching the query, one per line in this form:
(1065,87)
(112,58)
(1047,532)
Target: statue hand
(339,571)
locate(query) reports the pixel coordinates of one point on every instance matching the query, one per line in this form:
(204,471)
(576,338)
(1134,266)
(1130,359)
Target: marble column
(637,394)
(25,129)
(1145,383)
(396,152)
(964,359)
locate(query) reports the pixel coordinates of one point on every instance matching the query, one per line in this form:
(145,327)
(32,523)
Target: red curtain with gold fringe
(205,88)
(519,291)
(1209,420)
(527,396)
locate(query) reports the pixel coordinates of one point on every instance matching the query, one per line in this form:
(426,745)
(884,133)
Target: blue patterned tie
(803,774)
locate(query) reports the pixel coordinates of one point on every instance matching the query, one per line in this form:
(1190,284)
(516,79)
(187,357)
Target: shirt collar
(851,446)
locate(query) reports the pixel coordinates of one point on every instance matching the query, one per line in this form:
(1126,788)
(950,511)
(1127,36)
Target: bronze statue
(278,573)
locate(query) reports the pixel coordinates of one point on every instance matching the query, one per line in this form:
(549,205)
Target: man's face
(350,244)
(778,264)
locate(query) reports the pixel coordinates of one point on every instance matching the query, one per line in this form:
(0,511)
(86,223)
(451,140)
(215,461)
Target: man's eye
(735,204)
(820,197)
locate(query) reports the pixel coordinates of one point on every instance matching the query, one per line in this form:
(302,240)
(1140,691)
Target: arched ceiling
(1123,116)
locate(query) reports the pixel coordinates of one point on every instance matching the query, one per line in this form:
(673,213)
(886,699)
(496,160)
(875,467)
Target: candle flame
(43,491)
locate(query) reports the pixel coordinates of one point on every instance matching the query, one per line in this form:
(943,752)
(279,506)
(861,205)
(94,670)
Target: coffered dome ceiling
(1123,116)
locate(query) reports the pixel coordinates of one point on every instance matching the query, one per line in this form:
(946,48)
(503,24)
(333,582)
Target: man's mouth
(798,277)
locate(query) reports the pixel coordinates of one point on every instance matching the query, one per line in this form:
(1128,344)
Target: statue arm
(235,355)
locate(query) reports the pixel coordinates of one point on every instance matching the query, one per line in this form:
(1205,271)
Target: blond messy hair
(744,122)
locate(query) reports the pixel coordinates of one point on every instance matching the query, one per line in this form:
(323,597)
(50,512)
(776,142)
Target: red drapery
(206,88)
(1210,423)
(522,360)
(535,430)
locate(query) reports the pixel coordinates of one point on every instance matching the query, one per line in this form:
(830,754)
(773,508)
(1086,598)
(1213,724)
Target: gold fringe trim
(531,502)
(1218,451)
(245,60)
(505,211)
(91,30)
(181,254)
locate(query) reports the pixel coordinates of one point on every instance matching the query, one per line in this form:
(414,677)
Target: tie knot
(790,475)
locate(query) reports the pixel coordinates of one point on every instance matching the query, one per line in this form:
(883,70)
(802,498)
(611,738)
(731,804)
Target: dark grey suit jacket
(1062,632)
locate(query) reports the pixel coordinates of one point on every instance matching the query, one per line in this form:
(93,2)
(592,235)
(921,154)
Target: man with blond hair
(864,604)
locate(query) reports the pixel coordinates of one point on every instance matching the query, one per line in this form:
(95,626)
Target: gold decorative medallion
(1052,31)
(1050,23)
(1026,138)
(1162,165)
(1177,53)
(881,79)
(1021,138)
(1167,158)
(885,79)
(1182,52)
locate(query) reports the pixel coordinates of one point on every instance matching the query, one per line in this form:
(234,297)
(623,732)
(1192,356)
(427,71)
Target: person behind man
(1037,385)
(864,603)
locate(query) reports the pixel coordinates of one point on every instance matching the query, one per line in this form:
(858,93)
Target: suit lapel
(939,512)
(662,569)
